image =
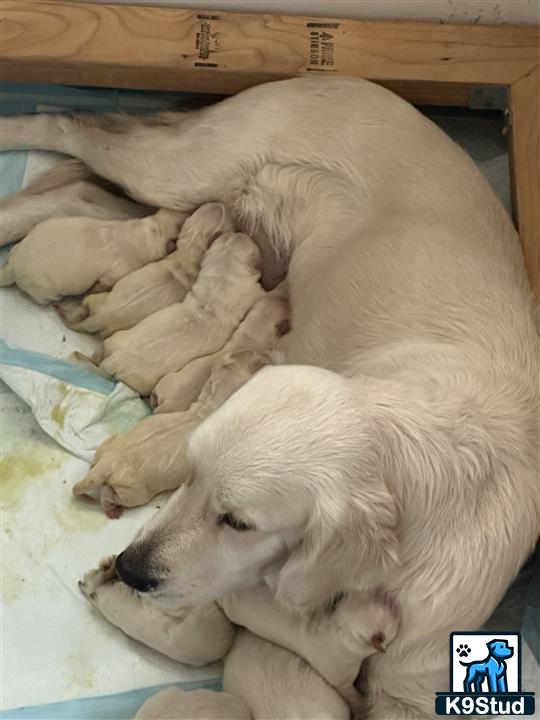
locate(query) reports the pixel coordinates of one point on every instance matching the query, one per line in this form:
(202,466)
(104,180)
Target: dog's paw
(120,604)
(463,650)
(71,311)
(105,573)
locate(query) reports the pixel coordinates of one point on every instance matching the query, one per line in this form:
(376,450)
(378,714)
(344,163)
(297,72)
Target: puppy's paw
(71,311)
(94,579)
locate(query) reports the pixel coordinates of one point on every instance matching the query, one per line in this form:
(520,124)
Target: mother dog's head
(285,481)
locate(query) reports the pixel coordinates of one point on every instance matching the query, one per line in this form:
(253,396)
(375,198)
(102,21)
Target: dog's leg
(64,190)
(193,705)
(195,636)
(177,164)
(468,682)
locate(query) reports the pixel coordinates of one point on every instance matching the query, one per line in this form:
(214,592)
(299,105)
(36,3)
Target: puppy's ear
(350,543)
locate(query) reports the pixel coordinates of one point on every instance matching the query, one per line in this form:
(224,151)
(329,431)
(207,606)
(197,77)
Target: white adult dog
(408,458)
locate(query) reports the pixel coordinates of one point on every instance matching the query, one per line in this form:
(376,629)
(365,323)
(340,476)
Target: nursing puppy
(267,320)
(151,287)
(71,255)
(167,340)
(401,443)
(129,469)
(69,189)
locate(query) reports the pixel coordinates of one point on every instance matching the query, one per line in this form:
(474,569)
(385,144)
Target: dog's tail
(6,275)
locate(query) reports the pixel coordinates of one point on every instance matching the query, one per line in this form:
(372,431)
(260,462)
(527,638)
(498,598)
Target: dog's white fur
(69,255)
(267,320)
(67,190)
(333,645)
(177,704)
(288,688)
(412,460)
(154,286)
(130,468)
(167,340)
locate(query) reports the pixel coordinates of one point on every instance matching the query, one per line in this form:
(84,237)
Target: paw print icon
(463,650)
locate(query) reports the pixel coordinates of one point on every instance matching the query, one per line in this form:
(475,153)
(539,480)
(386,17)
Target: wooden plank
(525,154)
(213,51)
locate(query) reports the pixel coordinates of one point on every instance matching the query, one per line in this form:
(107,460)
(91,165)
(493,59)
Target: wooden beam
(213,51)
(525,155)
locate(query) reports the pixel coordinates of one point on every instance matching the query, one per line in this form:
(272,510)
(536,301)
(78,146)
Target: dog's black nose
(132,575)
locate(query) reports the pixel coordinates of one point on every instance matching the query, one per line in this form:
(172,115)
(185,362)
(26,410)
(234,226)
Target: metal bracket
(491,97)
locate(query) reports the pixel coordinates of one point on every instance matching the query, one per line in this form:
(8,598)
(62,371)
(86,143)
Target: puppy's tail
(6,275)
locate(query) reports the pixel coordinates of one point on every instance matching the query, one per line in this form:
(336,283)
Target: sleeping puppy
(332,645)
(167,340)
(129,469)
(334,641)
(267,320)
(68,189)
(71,255)
(200,704)
(261,680)
(151,287)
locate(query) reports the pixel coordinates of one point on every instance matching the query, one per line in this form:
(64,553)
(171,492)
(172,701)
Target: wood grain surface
(525,154)
(175,49)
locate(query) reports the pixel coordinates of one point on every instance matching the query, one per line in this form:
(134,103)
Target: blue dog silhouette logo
(489,674)
(485,676)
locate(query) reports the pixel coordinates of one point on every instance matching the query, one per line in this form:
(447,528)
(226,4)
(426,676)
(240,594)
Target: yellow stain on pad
(12,585)
(58,414)
(23,466)
(81,673)
(80,518)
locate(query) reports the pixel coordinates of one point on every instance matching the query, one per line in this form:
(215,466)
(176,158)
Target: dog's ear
(350,543)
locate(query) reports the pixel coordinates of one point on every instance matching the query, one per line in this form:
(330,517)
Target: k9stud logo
(485,676)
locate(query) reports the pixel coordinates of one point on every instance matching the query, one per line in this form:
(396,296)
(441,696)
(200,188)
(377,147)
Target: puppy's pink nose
(283,327)
(170,246)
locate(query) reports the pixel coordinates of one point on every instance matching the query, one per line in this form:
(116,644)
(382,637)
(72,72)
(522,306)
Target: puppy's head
(282,482)
(233,254)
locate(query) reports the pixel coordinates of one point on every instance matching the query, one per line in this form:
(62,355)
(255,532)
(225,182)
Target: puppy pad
(55,647)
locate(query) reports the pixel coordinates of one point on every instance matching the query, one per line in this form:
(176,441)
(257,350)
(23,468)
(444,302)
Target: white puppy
(167,340)
(267,320)
(131,468)
(71,255)
(176,704)
(333,643)
(261,680)
(68,189)
(154,286)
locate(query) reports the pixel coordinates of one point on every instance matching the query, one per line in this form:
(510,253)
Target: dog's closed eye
(234,522)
